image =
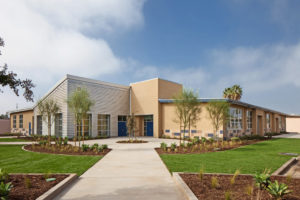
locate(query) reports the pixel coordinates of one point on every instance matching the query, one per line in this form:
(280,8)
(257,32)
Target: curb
(183,187)
(286,166)
(54,191)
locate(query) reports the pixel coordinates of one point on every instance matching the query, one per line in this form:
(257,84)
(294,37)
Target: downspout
(130,89)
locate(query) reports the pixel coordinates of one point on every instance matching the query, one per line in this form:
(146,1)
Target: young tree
(130,125)
(79,103)
(48,108)
(9,78)
(187,110)
(218,113)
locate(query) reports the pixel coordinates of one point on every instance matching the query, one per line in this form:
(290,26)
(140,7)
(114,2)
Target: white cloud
(44,40)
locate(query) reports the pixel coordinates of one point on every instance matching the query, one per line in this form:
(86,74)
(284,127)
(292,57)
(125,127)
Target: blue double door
(148,125)
(122,129)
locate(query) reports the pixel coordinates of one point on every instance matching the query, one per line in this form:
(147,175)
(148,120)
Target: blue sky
(205,45)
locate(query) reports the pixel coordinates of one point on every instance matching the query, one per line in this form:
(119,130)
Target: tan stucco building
(151,102)
(21,121)
(293,124)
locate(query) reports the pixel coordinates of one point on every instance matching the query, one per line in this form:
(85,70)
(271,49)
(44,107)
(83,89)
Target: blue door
(29,128)
(149,128)
(122,130)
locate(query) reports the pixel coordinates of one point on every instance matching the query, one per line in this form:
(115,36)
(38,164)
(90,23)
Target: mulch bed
(199,148)
(204,190)
(65,149)
(38,186)
(131,141)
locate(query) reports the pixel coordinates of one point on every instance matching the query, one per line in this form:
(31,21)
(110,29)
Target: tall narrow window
(58,125)
(15,121)
(249,119)
(20,121)
(104,125)
(268,120)
(87,123)
(39,125)
(280,123)
(235,119)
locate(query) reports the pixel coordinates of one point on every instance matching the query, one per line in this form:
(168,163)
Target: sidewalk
(129,171)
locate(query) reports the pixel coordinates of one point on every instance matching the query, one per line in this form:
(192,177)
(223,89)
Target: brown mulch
(204,190)
(132,141)
(65,149)
(38,186)
(209,148)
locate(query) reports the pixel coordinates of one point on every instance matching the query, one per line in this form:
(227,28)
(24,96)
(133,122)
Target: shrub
(3,175)
(189,144)
(228,195)
(95,146)
(182,145)
(201,174)
(278,190)
(173,146)
(104,146)
(42,142)
(85,147)
(215,182)
(252,137)
(4,190)
(100,149)
(235,139)
(203,139)
(196,140)
(59,141)
(27,183)
(211,140)
(66,140)
(262,180)
(236,173)
(163,146)
(249,190)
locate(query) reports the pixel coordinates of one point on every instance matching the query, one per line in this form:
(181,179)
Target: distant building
(151,102)
(4,126)
(293,124)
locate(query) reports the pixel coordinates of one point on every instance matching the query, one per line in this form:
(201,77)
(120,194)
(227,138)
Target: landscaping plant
(163,146)
(3,175)
(85,147)
(173,146)
(215,182)
(27,183)
(236,173)
(4,190)
(277,190)
(228,195)
(201,174)
(66,140)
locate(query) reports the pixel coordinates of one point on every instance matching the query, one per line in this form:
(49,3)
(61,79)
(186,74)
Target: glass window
(87,126)
(280,125)
(20,121)
(249,119)
(58,125)
(15,121)
(122,118)
(268,120)
(39,125)
(235,119)
(103,125)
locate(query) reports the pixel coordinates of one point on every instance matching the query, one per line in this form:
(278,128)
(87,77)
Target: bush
(85,147)
(27,183)
(95,146)
(173,146)
(189,144)
(163,146)
(215,182)
(104,146)
(100,148)
(262,180)
(203,139)
(42,142)
(4,190)
(278,190)
(3,175)
(252,137)
(196,140)
(235,139)
(66,140)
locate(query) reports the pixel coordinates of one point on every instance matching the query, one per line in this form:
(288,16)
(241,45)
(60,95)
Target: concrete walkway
(129,171)
(289,135)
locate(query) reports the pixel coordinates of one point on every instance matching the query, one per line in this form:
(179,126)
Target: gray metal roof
(240,103)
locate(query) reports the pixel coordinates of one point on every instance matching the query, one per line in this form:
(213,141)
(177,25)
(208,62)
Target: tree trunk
(80,129)
(49,129)
(83,131)
(189,129)
(75,131)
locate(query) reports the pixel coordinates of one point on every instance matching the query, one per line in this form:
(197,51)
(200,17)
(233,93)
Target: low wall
(4,126)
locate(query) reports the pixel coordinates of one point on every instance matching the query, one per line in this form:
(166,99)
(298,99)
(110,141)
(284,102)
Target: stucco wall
(5,126)
(293,124)
(27,118)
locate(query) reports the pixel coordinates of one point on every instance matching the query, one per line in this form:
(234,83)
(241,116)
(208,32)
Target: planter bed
(38,186)
(201,148)
(132,141)
(65,149)
(238,190)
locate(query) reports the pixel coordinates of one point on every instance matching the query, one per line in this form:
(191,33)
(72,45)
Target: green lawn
(15,160)
(248,159)
(13,140)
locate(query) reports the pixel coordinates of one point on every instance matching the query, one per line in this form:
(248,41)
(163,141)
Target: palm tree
(79,103)
(48,108)
(234,93)
(237,92)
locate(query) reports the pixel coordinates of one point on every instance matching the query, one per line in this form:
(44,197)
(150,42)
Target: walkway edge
(183,187)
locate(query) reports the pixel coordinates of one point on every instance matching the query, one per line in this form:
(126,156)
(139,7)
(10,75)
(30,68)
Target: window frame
(268,120)
(39,125)
(14,121)
(235,121)
(58,124)
(249,119)
(21,121)
(103,129)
